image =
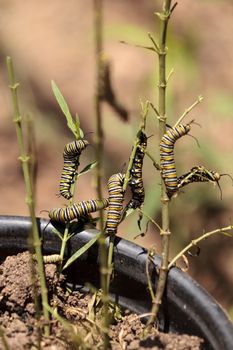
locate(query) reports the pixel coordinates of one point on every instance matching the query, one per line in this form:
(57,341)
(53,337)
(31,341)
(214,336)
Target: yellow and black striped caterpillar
(116,196)
(52,259)
(71,156)
(49,259)
(198,174)
(167,161)
(201,174)
(136,181)
(75,211)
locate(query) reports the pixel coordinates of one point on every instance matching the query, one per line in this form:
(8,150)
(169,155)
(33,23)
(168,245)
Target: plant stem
(149,282)
(65,238)
(188,110)
(24,159)
(155,164)
(165,232)
(194,242)
(145,108)
(66,235)
(149,218)
(104,268)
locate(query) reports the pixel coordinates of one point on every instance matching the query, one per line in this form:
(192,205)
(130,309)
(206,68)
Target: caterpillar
(201,174)
(49,259)
(71,156)
(136,182)
(52,259)
(167,161)
(198,174)
(116,195)
(75,211)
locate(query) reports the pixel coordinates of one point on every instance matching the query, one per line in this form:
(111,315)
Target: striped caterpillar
(167,161)
(71,156)
(52,259)
(75,211)
(201,174)
(198,174)
(116,196)
(136,181)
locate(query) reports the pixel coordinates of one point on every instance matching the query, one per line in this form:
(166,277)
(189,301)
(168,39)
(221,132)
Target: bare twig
(194,242)
(188,110)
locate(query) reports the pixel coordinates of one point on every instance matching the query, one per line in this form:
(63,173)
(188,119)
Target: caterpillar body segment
(116,196)
(78,210)
(136,181)
(52,259)
(167,160)
(74,148)
(71,156)
(198,174)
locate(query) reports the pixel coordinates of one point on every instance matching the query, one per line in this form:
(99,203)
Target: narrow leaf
(80,133)
(81,251)
(227,234)
(64,107)
(88,168)
(57,233)
(91,305)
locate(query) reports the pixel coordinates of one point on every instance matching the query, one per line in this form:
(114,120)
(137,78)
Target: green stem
(110,259)
(104,268)
(29,190)
(155,164)
(130,164)
(165,232)
(188,110)
(65,238)
(149,282)
(66,235)
(145,108)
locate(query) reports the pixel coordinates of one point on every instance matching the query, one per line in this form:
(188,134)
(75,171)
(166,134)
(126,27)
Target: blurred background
(55,40)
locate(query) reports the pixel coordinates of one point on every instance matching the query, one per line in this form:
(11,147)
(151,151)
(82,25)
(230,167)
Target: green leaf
(57,233)
(91,304)
(81,251)
(77,124)
(227,234)
(65,109)
(160,15)
(88,168)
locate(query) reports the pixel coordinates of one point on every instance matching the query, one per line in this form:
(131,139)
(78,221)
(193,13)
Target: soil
(20,328)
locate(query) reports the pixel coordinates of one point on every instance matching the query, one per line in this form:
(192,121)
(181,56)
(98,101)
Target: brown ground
(50,40)
(20,328)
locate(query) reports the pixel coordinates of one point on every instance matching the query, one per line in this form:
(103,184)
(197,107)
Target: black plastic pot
(186,307)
